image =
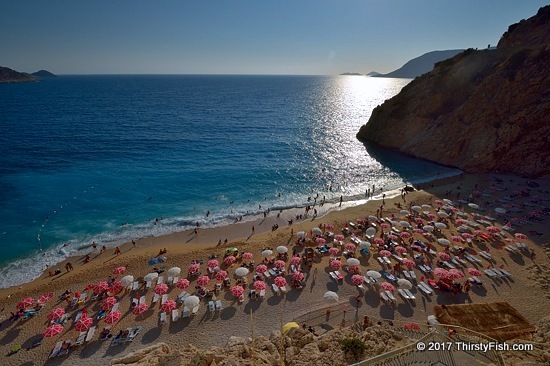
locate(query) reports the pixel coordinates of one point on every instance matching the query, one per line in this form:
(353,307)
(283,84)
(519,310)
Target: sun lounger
(497,272)
(218,305)
(169,280)
(65,346)
(56,349)
(361,287)
(339,275)
(461,261)
(185,313)
(164,298)
(367,280)
(449,265)
(115,307)
(476,281)
(490,273)
(175,280)
(211,305)
(386,260)
(175,315)
(133,334)
(413,275)
(397,258)
(160,280)
(162,317)
(82,299)
(142,300)
(195,310)
(389,276)
(505,273)
(181,298)
(262,293)
(410,294)
(156,298)
(80,339)
(403,294)
(73,303)
(266,274)
(102,336)
(283,289)
(275,288)
(333,276)
(391,297)
(90,333)
(384,297)
(135,286)
(148,284)
(119,338)
(407,275)
(380,260)
(78,316)
(424,289)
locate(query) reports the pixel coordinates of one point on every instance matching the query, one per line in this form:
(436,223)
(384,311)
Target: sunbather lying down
(14,350)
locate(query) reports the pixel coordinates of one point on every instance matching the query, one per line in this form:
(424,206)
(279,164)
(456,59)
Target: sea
(111,158)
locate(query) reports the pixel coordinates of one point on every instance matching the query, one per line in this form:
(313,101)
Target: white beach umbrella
(443,214)
(151,276)
(428,228)
(473,205)
(317,231)
(370,231)
(364,244)
(174,271)
(372,217)
(374,274)
(404,224)
(427,207)
(403,283)
(500,210)
(416,208)
(191,301)
(448,201)
(394,223)
(267,253)
(126,280)
(444,242)
(331,296)
(241,271)
(440,225)
(404,212)
(301,234)
(281,249)
(353,262)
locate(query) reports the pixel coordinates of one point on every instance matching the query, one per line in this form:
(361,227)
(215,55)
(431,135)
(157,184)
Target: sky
(300,37)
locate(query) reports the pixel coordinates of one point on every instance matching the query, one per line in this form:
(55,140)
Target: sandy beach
(526,289)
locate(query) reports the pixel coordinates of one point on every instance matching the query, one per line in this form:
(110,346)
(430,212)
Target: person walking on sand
(117,251)
(252,229)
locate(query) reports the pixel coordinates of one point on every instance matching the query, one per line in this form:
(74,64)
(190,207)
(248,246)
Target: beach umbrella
(203,280)
(385,225)
(126,280)
(416,208)
(115,287)
(439,203)
(478,232)
(267,253)
(329,227)
(473,205)
(374,274)
(427,207)
(25,303)
(238,291)
(387,286)
(448,201)
(370,231)
(119,270)
(261,268)
(281,249)
(444,242)
(316,231)
(456,238)
(384,253)
(241,271)
(83,324)
(213,263)
(520,236)
(455,274)
(112,317)
(229,260)
(350,247)
(428,228)
(248,255)
(352,262)
(336,264)
(500,210)
(220,275)
(259,285)
(301,234)
(440,225)
(100,287)
(339,237)
(357,279)
(279,264)
(378,241)
(53,330)
(403,283)
(416,248)
(474,271)
(162,288)
(153,261)
(331,297)
(320,241)
(404,212)
(442,214)
(405,235)
(440,272)
(151,276)
(191,301)
(333,251)
(444,256)
(44,298)
(364,244)
(461,222)
(418,220)
(353,269)
(409,263)
(56,313)
(183,283)
(492,229)
(174,271)
(195,267)
(417,231)
(392,237)
(108,303)
(404,224)
(400,249)
(168,306)
(297,276)
(288,326)
(140,308)
(394,223)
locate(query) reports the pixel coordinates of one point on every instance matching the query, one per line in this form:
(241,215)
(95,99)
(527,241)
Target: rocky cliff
(8,75)
(481,111)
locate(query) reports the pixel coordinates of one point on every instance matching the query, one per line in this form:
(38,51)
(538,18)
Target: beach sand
(527,290)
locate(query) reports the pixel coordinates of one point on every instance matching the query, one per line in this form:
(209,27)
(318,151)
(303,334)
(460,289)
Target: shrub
(355,346)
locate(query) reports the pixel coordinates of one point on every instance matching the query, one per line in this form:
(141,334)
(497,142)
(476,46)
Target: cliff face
(481,111)
(8,75)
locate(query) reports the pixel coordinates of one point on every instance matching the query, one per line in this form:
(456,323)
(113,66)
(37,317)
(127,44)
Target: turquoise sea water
(82,155)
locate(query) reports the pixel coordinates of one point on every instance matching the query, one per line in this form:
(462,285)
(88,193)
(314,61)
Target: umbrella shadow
(10,336)
(405,309)
(274,300)
(228,313)
(150,336)
(372,299)
(179,325)
(387,312)
(479,290)
(252,305)
(90,349)
(332,286)
(293,295)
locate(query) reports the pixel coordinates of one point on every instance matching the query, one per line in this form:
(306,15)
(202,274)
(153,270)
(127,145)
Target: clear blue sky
(244,37)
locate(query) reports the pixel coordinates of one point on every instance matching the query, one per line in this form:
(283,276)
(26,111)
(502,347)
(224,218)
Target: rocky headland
(480,111)
(8,75)
(420,65)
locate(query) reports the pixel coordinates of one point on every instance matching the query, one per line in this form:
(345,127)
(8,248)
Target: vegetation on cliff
(8,75)
(481,111)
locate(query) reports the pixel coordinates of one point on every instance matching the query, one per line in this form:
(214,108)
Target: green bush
(355,346)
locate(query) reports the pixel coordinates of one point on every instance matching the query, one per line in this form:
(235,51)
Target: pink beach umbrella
(83,324)
(53,330)
(400,250)
(474,271)
(248,255)
(378,241)
(56,313)
(409,263)
(350,247)
(329,227)
(108,303)
(333,251)
(492,229)
(279,264)
(456,238)
(100,287)
(213,263)
(467,235)
(520,236)
(297,276)
(119,270)
(280,281)
(259,285)
(25,303)
(444,256)
(357,279)
(385,225)
(440,203)
(405,235)
(387,286)
(112,317)
(416,248)
(203,281)
(220,275)
(168,306)
(339,237)
(182,283)
(115,287)
(336,264)
(237,291)
(295,260)
(261,269)
(461,222)
(393,237)
(320,241)
(195,267)
(352,269)
(440,272)
(45,298)
(140,308)
(229,260)
(478,232)
(455,274)
(384,253)
(161,288)
(418,220)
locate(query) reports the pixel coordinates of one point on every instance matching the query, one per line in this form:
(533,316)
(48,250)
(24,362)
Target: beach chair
(339,276)
(413,275)
(283,289)
(333,276)
(169,280)
(407,275)
(133,334)
(156,298)
(423,289)
(275,288)
(384,297)
(403,294)
(162,317)
(218,305)
(449,265)
(266,274)
(90,333)
(262,293)
(80,339)
(115,307)
(175,315)
(185,313)
(56,349)
(505,273)
(490,273)
(410,295)
(160,280)
(211,306)
(65,346)
(142,300)
(380,260)
(82,299)
(148,284)
(391,297)
(135,286)
(386,260)
(497,272)
(195,310)
(164,299)
(77,317)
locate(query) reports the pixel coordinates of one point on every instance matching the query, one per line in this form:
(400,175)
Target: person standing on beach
(341,199)
(117,251)
(94,246)
(252,229)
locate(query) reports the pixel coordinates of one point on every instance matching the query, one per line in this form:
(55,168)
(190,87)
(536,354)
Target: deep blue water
(81,155)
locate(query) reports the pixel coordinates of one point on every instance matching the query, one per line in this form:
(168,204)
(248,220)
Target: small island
(351,73)
(8,75)
(44,74)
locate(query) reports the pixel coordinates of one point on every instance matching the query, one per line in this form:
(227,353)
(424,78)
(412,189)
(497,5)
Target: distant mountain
(374,73)
(420,65)
(351,73)
(43,74)
(8,75)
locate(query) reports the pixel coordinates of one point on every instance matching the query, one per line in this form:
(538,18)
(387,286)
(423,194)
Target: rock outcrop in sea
(480,111)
